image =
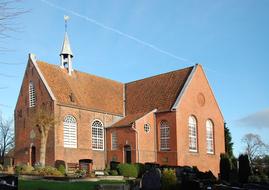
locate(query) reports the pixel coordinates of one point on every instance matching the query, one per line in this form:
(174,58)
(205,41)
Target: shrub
(244,168)
(127,170)
(169,179)
(59,163)
(264,178)
(113,172)
(80,173)
(23,169)
(62,169)
(140,169)
(49,171)
(225,167)
(114,165)
(254,179)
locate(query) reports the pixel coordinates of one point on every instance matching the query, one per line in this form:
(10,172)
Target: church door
(33,156)
(128,154)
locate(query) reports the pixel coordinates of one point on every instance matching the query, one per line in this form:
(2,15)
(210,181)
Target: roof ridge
(56,66)
(159,74)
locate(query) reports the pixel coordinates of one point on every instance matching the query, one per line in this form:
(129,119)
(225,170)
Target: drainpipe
(137,140)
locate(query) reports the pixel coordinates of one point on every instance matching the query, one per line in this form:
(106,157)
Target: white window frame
(147,127)
(114,140)
(164,135)
(32,95)
(98,137)
(192,128)
(70,132)
(209,137)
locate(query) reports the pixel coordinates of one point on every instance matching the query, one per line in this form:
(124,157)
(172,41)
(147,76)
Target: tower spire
(66,53)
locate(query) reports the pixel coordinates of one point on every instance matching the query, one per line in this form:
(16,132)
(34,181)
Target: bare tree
(255,147)
(6,137)
(8,13)
(44,120)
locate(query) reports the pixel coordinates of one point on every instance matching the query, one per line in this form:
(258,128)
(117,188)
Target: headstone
(9,182)
(151,180)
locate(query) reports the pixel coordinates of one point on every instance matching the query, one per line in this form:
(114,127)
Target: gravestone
(151,180)
(9,182)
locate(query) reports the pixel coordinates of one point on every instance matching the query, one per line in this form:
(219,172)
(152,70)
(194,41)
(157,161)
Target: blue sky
(127,40)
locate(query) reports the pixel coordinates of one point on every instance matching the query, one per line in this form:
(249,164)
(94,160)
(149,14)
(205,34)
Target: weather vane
(66,18)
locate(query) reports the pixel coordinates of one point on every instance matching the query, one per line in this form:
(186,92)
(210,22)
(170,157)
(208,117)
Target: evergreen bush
(225,167)
(168,179)
(127,170)
(140,169)
(244,168)
(61,169)
(113,172)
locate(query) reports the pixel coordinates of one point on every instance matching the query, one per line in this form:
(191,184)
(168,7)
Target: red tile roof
(87,91)
(158,92)
(92,92)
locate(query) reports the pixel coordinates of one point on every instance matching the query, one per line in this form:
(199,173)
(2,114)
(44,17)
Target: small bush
(127,170)
(59,163)
(49,171)
(169,179)
(264,178)
(140,169)
(23,169)
(62,169)
(254,179)
(80,173)
(114,165)
(113,172)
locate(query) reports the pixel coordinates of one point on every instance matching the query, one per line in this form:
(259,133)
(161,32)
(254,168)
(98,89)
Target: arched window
(32,97)
(114,141)
(209,137)
(164,135)
(97,135)
(70,132)
(192,134)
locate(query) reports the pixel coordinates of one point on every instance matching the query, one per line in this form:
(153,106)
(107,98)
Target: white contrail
(117,32)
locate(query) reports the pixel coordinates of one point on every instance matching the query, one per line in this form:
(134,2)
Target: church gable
(198,94)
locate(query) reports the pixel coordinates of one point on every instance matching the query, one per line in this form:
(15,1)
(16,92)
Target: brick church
(171,118)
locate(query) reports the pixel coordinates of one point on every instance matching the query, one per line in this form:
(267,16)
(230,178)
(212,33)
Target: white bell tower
(66,53)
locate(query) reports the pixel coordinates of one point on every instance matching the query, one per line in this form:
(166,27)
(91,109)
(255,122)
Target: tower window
(32,95)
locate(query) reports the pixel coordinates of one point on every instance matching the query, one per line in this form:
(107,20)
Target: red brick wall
(125,136)
(191,104)
(168,157)
(146,141)
(84,150)
(23,115)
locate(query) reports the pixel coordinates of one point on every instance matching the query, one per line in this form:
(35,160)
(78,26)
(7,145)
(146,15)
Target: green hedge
(169,179)
(128,170)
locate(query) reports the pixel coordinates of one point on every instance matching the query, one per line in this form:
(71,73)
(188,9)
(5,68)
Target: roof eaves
(33,59)
(177,102)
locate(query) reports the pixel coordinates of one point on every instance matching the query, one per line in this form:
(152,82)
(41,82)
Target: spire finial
(66,18)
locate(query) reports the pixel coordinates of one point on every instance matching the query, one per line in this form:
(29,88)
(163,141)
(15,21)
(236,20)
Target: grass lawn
(57,185)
